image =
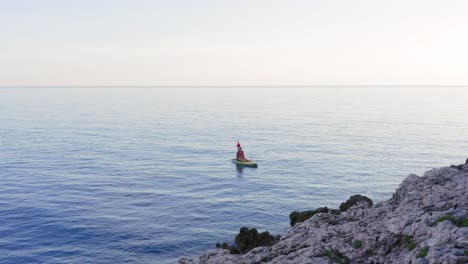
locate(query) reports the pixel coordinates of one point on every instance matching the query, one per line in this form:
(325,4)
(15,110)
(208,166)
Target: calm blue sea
(143,175)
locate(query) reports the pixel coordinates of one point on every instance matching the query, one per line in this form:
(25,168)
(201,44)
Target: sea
(144,174)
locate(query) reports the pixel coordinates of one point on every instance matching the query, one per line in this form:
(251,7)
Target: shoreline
(426,221)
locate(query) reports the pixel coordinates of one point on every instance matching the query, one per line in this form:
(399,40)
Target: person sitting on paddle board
(240,153)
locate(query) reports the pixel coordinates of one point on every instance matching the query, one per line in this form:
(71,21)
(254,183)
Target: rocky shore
(426,221)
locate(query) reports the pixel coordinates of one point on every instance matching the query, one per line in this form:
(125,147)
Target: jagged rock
(458,167)
(422,223)
(354,200)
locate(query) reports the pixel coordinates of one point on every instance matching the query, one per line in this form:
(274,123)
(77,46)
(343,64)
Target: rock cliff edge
(426,221)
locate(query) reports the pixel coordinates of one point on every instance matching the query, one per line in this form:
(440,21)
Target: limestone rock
(424,222)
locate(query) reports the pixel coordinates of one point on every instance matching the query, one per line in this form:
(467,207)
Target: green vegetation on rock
(422,253)
(356,244)
(411,245)
(250,238)
(353,200)
(462,222)
(297,217)
(407,239)
(335,257)
(444,218)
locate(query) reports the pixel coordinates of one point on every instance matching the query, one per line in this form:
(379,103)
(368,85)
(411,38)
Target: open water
(143,175)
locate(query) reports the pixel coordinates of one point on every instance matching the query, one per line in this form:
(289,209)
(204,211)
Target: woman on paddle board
(240,153)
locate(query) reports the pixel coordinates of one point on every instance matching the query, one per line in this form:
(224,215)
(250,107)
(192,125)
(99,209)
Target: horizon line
(236,86)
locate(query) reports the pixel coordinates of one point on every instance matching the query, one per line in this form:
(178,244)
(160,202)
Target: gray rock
(422,223)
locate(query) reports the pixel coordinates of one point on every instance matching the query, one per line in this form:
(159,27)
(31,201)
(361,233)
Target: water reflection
(240,170)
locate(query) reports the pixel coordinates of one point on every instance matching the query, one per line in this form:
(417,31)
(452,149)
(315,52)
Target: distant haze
(235,42)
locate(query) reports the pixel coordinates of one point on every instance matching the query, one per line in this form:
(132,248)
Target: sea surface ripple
(143,175)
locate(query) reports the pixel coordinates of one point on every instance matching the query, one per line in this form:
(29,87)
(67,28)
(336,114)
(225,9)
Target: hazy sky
(233,42)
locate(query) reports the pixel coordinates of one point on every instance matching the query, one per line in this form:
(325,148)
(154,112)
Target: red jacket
(240,154)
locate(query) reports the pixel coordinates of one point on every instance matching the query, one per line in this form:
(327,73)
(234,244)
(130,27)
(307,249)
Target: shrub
(407,238)
(356,244)
(463,222)
(443,218)
(411,245)
(353,200)
(335,257)
(250,238)
(327,253)
(296,217)
(422,253)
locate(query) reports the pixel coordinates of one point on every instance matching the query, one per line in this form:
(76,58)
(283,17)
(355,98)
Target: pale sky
(233,42)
